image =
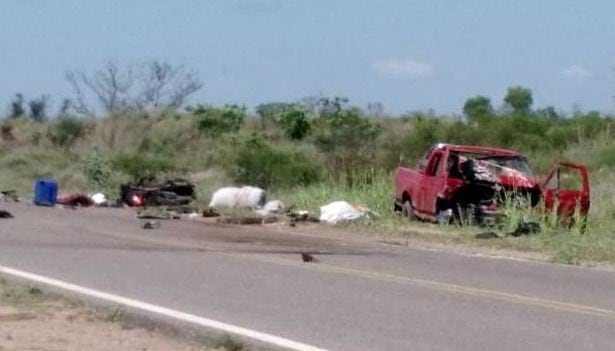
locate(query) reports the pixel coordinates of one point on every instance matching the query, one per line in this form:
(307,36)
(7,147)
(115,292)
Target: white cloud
(403,69)
(576,71)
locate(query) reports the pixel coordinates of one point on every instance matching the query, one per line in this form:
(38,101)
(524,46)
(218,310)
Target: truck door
(433,182)
(566,191)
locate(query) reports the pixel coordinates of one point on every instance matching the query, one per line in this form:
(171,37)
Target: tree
(150,86)
(38,108)
(214,121)
(519,99)
(260,163)
(270,112)
(65,107)
(65,131)
(477,108)
(548,112)
(346,138)
(17,108)
(167,86)
(375,109)
(295,123)
(111,86)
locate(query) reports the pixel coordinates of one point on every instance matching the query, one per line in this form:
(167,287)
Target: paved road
(361,296)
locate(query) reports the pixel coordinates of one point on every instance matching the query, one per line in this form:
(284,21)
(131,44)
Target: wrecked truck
(469,184)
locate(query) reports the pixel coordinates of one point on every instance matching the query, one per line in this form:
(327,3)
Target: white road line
(163,311)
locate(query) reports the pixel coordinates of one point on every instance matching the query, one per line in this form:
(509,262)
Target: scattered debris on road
(306,257)
(75,200)
(5,214)
(150,225)
(156,213)
(99,199)
(150,192)
(301,216)
(247,220)
(9,196)
(210,212)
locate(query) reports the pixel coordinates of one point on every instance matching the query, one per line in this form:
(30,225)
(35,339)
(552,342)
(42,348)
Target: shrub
(347,139)
(17,108)
(65,131)
(97,170)
(214,121)
(38,108)
(138,166)
(295,123)
(258,163)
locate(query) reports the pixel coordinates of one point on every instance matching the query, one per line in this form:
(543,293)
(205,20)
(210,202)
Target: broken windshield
(504,164)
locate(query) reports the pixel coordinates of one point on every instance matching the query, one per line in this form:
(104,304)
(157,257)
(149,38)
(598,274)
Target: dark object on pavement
(210,212)
(75,200)
(247,220)
(150,192)
(5,214)
(182,209)
(9,195)
(302,216)
(150,225)
(525,228)
(306,257)
(45,192)
(145,214)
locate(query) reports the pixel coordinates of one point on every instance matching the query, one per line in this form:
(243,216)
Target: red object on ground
(75,200)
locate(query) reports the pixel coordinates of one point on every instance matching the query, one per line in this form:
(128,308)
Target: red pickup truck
(471,182)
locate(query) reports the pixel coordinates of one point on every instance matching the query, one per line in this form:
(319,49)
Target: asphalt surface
(360,296)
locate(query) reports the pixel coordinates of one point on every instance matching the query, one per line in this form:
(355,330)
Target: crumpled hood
(503,176)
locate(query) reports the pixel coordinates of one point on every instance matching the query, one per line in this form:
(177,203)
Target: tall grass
(373,191)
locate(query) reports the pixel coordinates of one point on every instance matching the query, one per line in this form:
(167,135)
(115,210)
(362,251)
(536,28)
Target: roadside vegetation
(306,153)
(30,319)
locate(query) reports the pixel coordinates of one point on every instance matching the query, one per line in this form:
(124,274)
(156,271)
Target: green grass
(565,245)
(375,194)
(20,294)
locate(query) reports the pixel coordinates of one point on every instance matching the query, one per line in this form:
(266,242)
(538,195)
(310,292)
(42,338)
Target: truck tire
(407,210)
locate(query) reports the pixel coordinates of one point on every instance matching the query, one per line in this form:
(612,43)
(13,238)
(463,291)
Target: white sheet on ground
(341,211)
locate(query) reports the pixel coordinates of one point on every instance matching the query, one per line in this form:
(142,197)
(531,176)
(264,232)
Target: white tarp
(233,197)
(341,211)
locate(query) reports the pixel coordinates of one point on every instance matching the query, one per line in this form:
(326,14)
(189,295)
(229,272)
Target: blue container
(45,192)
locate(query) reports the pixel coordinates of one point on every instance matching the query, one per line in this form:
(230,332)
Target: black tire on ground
(407,210)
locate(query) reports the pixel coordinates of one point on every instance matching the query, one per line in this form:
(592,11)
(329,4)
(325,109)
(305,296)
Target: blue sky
(409,55)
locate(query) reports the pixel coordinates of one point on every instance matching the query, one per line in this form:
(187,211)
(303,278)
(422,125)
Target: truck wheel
(407,210)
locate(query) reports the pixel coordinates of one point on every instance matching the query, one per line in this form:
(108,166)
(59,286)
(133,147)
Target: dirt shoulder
(31,320)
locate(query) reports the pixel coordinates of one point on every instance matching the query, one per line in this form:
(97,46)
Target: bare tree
(158,76)
(111,86)
(78,103)
(168,86)
(187,85)
(153,85)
